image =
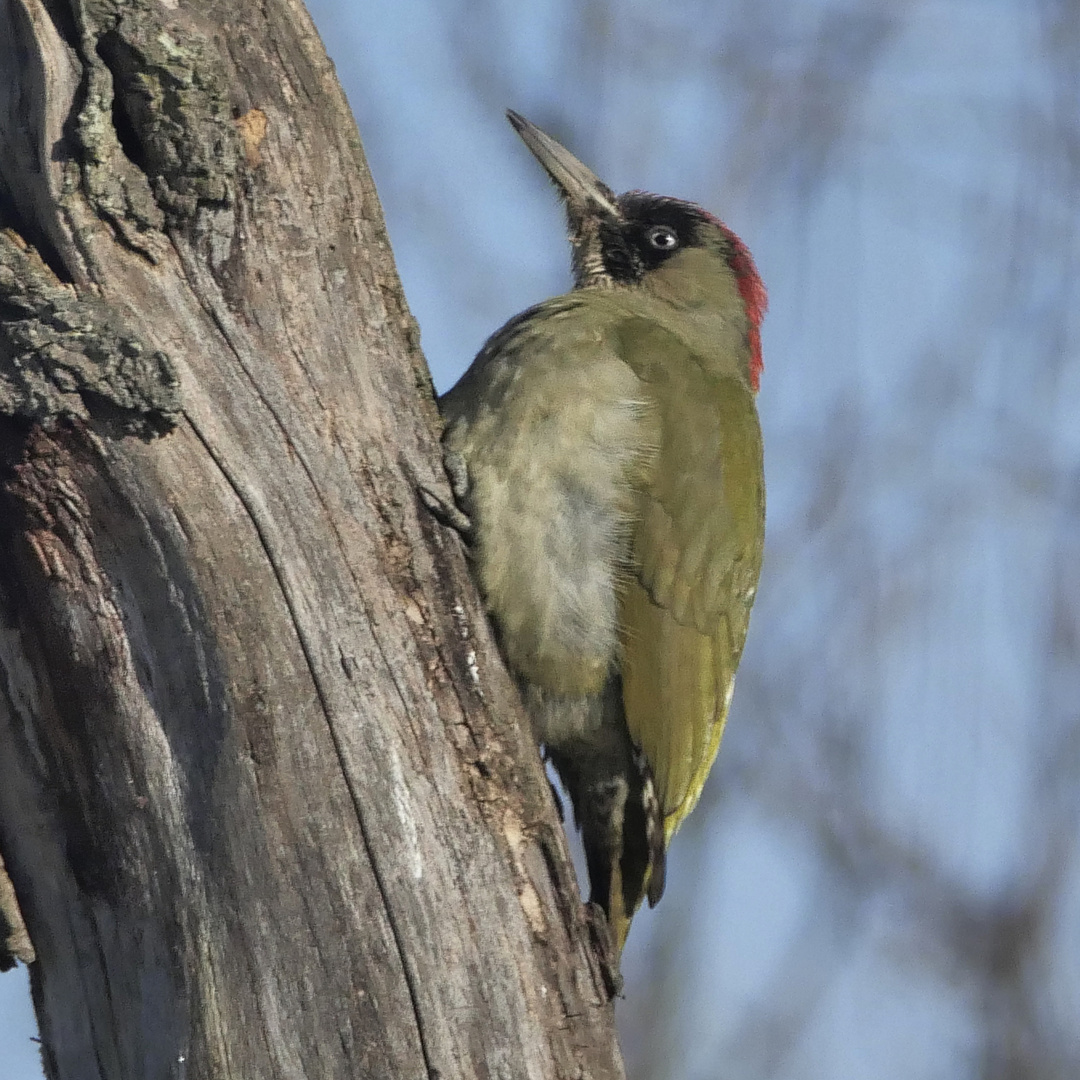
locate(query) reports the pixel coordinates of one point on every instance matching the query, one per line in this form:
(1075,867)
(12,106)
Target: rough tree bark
(267,803)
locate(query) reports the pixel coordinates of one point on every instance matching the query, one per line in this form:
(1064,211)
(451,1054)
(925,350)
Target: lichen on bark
(62,355)
(168,104)
(156,142)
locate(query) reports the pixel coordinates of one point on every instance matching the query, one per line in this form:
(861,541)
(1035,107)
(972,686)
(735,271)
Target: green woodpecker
(605,448)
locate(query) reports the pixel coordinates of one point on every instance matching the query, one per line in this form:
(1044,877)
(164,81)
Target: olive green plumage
(613,467)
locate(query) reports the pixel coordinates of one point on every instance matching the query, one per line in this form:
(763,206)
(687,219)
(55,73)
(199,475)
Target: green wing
(696,556)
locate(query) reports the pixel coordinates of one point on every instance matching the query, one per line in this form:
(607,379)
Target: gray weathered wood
(266,799)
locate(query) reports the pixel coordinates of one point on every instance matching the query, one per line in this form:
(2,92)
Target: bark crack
(400,940)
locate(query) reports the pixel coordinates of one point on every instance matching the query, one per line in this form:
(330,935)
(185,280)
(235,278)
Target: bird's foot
(458,471)
(449,513)
(446,513)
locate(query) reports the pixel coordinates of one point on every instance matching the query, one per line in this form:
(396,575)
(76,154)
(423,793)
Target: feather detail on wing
(676,688)
(697,549)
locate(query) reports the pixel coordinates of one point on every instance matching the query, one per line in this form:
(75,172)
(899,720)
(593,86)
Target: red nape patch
(752,290)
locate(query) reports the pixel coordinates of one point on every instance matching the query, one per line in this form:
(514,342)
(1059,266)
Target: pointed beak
(584,192)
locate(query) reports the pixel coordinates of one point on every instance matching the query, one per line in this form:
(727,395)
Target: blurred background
(883,878)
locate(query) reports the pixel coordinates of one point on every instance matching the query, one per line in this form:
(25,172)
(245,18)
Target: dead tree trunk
(266,800)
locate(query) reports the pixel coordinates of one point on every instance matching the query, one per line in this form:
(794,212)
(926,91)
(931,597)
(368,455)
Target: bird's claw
(446,513)
(450,513)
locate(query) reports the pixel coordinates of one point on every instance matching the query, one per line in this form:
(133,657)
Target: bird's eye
(663,237)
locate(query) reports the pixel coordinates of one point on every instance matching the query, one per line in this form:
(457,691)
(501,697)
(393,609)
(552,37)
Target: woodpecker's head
(637,240)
